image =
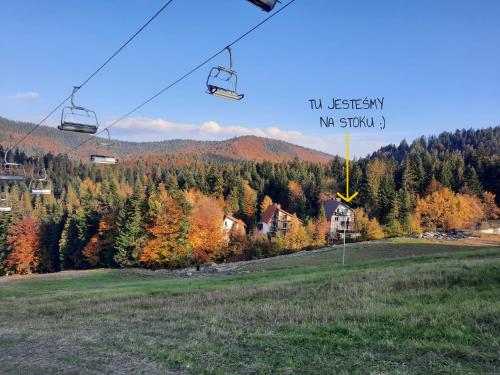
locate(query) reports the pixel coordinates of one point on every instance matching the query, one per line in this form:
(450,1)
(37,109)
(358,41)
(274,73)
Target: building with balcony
(275,220)
(340,217)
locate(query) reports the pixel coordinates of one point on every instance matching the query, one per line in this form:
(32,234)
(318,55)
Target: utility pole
(348,214)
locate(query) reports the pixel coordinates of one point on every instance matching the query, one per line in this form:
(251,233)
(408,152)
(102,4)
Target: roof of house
(331,206)
(271,211)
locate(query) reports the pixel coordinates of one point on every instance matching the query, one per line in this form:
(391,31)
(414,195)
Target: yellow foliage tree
(296,237)
(249,201)
(443,210)
(266,202)
(317,230)
(374,231)
(369,229)
(167,245)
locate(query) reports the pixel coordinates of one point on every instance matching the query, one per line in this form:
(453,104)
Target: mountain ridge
(248,147)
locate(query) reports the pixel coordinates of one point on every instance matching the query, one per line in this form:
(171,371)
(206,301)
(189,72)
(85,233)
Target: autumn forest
(167,211)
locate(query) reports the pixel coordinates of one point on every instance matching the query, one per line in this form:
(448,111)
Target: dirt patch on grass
(56,275)
(65,356)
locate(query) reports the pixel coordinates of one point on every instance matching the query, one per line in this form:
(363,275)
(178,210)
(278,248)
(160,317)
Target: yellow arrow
(348,197)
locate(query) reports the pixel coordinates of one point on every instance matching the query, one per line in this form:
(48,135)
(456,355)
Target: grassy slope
(427,314)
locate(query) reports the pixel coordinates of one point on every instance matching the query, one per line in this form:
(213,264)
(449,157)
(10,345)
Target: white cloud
(24,96)
(147,129)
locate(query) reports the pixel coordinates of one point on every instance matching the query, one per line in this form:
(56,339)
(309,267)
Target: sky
(436,64)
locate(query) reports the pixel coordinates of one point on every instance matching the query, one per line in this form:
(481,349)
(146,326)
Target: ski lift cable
(90,77)
(183,77)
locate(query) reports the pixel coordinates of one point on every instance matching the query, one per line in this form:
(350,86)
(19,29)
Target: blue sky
(436,63)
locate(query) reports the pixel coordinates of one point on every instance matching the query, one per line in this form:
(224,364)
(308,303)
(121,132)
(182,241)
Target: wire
(91,76)
(197,67)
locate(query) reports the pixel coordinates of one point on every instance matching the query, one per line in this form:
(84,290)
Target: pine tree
(386,197)
(394,227)
(472,184)
(130,230)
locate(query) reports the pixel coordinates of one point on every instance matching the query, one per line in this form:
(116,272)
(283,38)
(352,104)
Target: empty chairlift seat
(39,185)
(223,82)
(5,204)
(104,159)
(12,171)
(78,119)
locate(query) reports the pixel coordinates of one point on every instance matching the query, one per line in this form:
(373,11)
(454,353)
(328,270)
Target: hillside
(49,139)
(431,309)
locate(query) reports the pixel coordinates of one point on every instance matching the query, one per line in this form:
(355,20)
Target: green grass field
(398,307)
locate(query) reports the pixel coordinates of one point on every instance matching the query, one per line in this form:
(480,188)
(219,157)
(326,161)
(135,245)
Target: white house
(231,223)
(338,219)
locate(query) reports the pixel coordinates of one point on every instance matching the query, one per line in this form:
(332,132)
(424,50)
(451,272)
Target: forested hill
(48,139)
(464,160)
(464,141)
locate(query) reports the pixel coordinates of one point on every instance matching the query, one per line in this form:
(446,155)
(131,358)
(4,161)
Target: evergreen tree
(130,231)
(472,184)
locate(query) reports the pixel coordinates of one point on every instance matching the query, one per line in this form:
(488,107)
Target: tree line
(167,212)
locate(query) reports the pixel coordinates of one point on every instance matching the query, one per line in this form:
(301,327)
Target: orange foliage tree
(318,231)
(24,245)
(443,210)
(100,243)
(206,234)
(491,210)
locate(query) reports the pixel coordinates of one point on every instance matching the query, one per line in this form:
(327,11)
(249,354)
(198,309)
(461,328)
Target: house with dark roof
(340,217)
(275,220)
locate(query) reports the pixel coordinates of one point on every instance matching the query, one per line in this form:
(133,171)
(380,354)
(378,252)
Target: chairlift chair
(104,159)
(5,203)
(223,82)
(266,5)
(78,119)
(11,171)
(39,185)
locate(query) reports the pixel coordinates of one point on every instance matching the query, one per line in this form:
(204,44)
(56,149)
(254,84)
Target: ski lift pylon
(5,203)
(223,82)
(39,184)
(266,5)
(104,159)
(78,119)
(11,171)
